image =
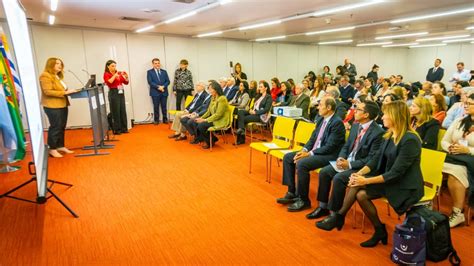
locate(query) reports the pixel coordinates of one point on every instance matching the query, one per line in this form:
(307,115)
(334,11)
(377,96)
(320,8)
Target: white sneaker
(456,219)
(55,154)
(65,150)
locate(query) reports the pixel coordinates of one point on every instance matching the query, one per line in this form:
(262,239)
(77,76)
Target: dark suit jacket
(202,109)
(154,82)
(436,76)
(341,111)
(429,134)
(265,105)
(373,75)
(403,178)
(351,72)
(197,101)
(230,92)
(368,147)
(332,139)
(348,92)
(301,102)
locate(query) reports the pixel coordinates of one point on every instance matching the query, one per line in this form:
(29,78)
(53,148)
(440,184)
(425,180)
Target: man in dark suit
(435,73)
(188,120)
(347,91)
(340,106)
(363,143)
(158,81)
(398,81)
(197,101)
(351,70)
(323,146)
(230,90)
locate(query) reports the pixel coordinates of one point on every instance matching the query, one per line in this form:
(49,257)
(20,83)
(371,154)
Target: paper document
(271,145)
(286,151)
(333,164)
(101,99)
(94,102)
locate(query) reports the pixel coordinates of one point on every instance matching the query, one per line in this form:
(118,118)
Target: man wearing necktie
(435,73)
(365,139)
(323,146)
(158,81)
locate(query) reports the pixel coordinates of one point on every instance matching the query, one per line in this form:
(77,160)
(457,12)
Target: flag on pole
(8,87)
(8,140)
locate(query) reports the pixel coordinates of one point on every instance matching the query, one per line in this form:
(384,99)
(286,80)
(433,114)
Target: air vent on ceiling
(184,1)
(397,28)
(133,19)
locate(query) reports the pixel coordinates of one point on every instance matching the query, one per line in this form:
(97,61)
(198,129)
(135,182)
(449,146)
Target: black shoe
(206,146)
(165,121)
(195,141)
(317,213)
(117,133)
(156,123)
(125,131)
(179,138)
(299,205)
(240,131)
(335,220)
(173,136)
(379,235)
(287,199)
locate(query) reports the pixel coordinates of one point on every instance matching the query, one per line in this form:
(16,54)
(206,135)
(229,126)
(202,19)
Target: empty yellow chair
(282,137)
(187,102)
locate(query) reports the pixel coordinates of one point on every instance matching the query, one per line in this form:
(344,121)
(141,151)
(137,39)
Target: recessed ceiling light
(145,29)
(180,17)
(400,44)
(223,2)
(209,34)
(449,13)
(459,40)
(374,44)
(427,45)
(259,25)
(401,35)
(54,5)
(51,19)
(470,28)
(345,8)
(335,42)
(442,38)
(329,31)
(270,38)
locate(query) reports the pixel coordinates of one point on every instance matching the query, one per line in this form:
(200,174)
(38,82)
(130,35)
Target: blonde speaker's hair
(400,116)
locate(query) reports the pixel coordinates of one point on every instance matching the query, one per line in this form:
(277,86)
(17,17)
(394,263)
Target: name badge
(120,89)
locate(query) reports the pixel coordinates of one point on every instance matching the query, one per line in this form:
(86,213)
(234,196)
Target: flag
(8,87)
(8,140)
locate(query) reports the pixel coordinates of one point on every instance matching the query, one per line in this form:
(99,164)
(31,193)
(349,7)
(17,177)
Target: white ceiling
(107,14)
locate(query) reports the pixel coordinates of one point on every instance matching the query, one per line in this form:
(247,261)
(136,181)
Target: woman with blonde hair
(423,122)
(55,104)
(394,173)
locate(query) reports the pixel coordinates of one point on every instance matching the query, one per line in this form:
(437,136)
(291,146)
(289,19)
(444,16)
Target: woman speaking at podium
(55,104)
(115,81)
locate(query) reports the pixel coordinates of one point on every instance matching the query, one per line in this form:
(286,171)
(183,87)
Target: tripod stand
(40,200)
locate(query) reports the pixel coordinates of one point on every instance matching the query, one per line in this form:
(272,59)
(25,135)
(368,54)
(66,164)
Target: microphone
(78,79)
(87,72)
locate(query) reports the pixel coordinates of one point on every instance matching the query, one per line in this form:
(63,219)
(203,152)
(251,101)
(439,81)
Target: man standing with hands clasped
(158,81)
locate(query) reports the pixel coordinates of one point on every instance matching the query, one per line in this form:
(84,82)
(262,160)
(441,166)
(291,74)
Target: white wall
(209,59)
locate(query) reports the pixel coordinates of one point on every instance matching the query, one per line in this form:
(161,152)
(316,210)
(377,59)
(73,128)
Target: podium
(98,112)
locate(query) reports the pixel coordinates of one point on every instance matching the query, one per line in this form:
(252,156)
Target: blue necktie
(158,75)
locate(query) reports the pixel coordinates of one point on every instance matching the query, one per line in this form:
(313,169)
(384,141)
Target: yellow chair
(187,102)
(302,134)
(431,164)
(441,133)
(282,137)
(223,129)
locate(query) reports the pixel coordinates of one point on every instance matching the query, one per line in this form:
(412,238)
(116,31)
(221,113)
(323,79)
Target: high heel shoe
(379,235)
(54,153)
(335,220)
(65,150)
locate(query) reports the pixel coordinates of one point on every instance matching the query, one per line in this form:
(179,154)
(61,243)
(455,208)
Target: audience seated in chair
(333,92)
(324,145)
(300,100)
(230,90)
(458,109)
(217,115)
(285,95)
(200,97)
(241,98)
(259,112)
(423,123)
(365,139)
(438,103)
(459,164)
(394,173)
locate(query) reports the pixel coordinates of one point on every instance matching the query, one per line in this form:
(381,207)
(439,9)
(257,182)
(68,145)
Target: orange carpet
(157,201)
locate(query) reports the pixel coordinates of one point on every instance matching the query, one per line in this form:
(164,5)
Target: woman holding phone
(115,80)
